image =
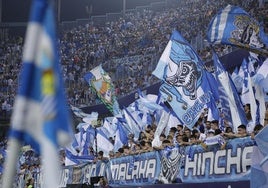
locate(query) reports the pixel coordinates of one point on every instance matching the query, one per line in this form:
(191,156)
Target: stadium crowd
(129,46)
(128,50)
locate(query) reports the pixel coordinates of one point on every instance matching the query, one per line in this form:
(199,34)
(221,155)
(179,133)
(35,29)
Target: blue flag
(185,82)
(121,137)
(234,26)
(231,104)
(41,117)
(259,174)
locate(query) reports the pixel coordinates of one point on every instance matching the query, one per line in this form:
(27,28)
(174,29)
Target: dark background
(18,10)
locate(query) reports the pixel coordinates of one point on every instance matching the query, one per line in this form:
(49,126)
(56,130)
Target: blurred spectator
(241,132)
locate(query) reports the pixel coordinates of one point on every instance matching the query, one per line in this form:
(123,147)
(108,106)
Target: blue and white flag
(40,117)
(259,167)
(185,85)
(78,112)
(237,80)
(101,82)
(133,124)
(253,93)
(103,143)
(248,93)
(121,137)
(230,101)
(261,76)
(234,26)
(149,104)
(160,128)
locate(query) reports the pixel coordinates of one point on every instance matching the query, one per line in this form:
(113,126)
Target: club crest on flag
(247,30)
(185,85)
(234,26)
(101,82)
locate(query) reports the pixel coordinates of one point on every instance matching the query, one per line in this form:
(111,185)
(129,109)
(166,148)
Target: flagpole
(96,143)
(9,167)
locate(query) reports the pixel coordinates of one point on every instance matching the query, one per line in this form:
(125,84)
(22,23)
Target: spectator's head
(242,129)
(179,127)
(214,124)
(257,128)
(208,125)
(166,143)
(100,153)
(187,132)
(111,154)
(162,137)
(228,130)
(195,133)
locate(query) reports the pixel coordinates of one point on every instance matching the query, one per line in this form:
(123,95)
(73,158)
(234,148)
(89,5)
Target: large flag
(234,26)
(185,84)
(133,124)
(248,94)
(237,79)
(259,167)
(261,76)
(121,137)
(101,82)
(253,93)
(231,104)
(40,117)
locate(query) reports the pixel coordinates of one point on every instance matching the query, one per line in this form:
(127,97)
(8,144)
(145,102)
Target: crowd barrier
(184,165)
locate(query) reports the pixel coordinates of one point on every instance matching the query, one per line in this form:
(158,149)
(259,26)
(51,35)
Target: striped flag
(234,26)
(40,117)
(259,172)
(231,104)
(261,76)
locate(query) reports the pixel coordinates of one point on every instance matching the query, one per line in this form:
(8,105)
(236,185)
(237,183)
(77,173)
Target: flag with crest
(41,116)
(101,82)
(234,26)
(186,84)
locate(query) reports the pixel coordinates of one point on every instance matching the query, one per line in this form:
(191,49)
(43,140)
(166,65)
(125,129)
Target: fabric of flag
(101,82)
(237,80)
(160,128)
(78,112)
(41,117)
(133,124)
(230,101)
(261,76)
(186,86)
(248,94)
(121,137)
(103,142)
(85,137)
(259,167)
(234,26)
(253,93)
(150,105)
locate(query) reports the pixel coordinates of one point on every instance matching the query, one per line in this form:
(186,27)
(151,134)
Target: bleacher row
(141,34)
(128,48)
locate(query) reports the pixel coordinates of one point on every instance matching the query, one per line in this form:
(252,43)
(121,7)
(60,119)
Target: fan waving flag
(101,82)
(232,107)
(186,84)
(234,26)
(40,117)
